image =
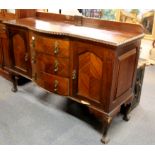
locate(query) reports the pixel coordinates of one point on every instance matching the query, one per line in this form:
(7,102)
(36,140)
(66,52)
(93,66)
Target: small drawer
(54,46)
(53,83)
(52,65)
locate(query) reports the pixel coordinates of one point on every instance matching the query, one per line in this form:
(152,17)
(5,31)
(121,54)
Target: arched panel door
(19,51)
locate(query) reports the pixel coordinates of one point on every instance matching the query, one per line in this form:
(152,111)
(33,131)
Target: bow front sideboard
(92,64)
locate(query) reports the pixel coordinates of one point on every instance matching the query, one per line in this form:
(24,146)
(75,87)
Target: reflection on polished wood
(59,28)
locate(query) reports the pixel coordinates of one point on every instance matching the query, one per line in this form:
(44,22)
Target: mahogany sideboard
(93,65)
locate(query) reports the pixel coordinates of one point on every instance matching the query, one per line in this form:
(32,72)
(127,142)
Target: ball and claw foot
(14,81)
(14,89)
(126,118)
(105,140)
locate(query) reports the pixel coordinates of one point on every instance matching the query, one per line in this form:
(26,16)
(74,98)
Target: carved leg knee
(14,81)
(126,116)
(106,124)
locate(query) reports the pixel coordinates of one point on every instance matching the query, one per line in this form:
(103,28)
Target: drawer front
(54,46)
(52,65)
(53,83)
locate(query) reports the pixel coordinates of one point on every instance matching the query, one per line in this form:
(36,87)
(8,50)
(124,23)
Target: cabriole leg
(126,116)
(14,81)
(106,125)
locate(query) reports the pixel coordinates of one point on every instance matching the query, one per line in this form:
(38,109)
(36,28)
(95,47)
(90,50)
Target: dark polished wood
(55,17)
(3,53)
(94,65)
(4,46)
(90,75)
(53,46)
(19,13)
(106,36)
(19,51)
(52,65)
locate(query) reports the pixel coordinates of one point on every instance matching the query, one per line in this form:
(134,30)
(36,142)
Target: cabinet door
(19,50)
(87,73)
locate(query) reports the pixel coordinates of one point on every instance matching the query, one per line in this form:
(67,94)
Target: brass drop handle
(74,74)
(33,42)
(26,56)
(56,86)
(56,66)
(56,48)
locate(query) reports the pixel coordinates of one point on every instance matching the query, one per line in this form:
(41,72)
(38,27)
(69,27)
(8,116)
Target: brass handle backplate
(56,48)
(56,66)
(56,86)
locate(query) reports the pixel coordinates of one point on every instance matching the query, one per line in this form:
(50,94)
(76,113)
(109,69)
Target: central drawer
(54,46)
(53,83)
(52,65)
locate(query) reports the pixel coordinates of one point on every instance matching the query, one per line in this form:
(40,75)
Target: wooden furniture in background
(18,13)
(94,63)
(138,83)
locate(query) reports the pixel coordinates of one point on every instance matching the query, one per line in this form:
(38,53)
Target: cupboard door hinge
(33,59)
(74,74)
(26,56)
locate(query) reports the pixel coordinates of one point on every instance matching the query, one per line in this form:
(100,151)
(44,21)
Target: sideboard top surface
(106,36)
